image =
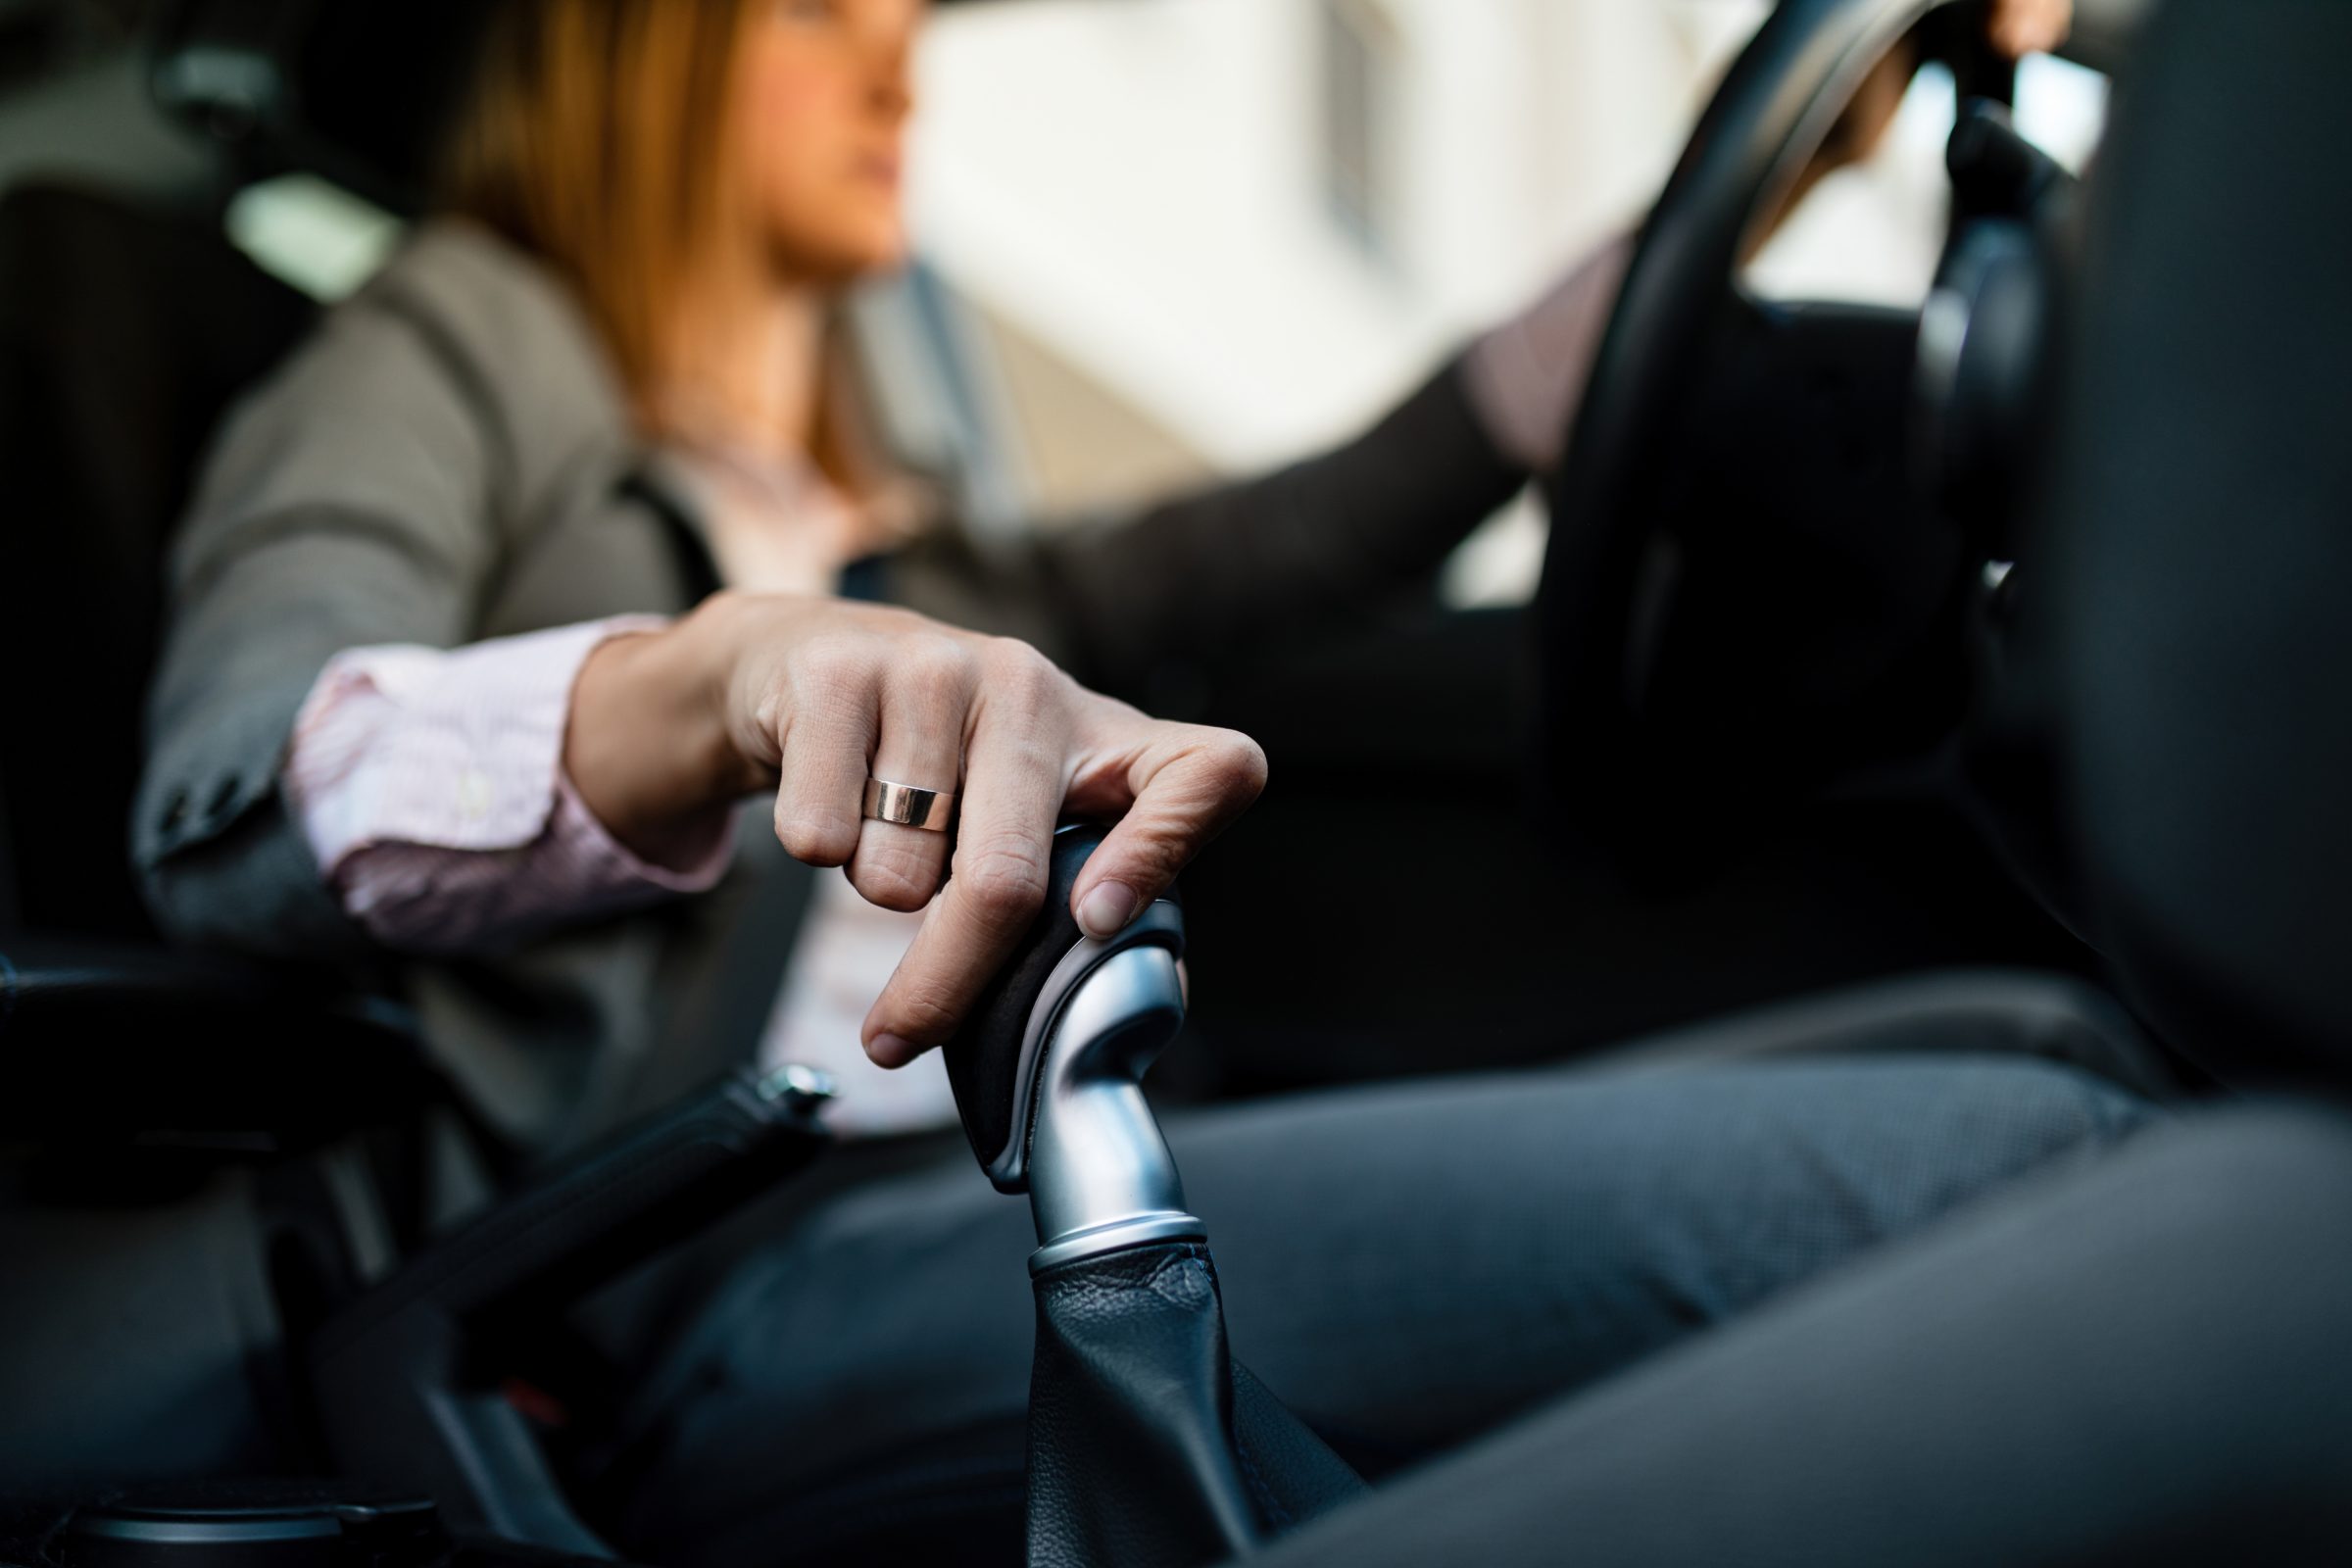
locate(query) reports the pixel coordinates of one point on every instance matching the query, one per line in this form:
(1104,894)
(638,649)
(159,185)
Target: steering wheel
(1742,596)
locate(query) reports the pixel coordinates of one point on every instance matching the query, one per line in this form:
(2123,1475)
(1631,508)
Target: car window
(1873,233)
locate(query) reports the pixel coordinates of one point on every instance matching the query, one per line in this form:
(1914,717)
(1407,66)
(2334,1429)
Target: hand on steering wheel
(1723,624)
(1529,372)
(813,698)
(2021,27)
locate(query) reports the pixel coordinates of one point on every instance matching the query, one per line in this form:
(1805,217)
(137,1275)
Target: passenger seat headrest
(355,91)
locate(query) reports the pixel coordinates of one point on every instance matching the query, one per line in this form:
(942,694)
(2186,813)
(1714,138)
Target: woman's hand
(1527,376)
(814,696)
(2015,28)
(2021,27)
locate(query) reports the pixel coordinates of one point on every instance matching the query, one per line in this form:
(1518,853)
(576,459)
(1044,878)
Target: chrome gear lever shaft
(1100,1173)
(1048,1073)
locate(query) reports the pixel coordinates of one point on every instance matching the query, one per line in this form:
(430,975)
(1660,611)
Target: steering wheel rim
(1777,103)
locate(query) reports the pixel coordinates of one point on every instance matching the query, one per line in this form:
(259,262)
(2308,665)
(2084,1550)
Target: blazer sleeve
(347,503)
(1212,575)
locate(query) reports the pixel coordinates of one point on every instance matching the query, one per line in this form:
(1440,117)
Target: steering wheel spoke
(1746,594)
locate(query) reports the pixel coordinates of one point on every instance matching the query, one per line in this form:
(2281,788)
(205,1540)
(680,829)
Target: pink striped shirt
(430,786)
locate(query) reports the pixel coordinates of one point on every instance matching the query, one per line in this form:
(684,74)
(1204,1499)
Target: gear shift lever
(1049,1074)
(1100,1175)
(1139,1418)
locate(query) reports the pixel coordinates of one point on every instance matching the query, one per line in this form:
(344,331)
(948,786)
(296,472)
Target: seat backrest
(123,334)
(2185,614)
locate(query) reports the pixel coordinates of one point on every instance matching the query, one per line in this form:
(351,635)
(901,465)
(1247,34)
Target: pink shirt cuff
(430,785)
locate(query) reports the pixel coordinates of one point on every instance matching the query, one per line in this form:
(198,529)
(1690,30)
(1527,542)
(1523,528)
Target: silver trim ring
(908,805)
(1140,1230)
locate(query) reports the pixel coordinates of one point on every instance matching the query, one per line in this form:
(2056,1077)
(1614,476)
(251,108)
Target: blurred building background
(1254,221)
(1206,235)
(1169,238)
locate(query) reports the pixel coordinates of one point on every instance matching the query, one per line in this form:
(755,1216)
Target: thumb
(1181,785)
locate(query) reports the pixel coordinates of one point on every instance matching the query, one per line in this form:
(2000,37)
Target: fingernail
(889,1050)
(1104,912)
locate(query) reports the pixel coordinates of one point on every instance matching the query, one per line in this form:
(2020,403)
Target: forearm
(648,746)
(1215,574)
(455,798)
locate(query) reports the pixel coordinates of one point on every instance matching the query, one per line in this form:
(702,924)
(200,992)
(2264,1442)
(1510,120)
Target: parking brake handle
(1149,1446)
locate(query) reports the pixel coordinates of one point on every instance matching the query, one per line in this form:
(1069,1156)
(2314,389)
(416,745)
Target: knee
(2086,1107)
(2018,1115)
(2263,1176)
(2214,1258)
(2228,1228)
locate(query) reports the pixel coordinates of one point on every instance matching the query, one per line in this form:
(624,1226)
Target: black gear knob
(1048,1071)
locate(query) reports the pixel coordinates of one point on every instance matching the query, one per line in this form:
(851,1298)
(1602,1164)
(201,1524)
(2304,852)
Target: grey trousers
(2148,1361)
(1412,1267)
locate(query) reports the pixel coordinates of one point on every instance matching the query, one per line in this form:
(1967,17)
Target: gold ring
(908,805)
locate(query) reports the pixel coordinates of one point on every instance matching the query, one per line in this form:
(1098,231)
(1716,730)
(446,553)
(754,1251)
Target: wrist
(705,653)
(648,748)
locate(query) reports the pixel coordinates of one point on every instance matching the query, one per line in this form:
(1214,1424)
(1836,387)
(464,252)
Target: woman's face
(821,97)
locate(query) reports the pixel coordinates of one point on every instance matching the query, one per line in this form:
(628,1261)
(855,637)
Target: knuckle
(815,839)
(1034,754)
(1004,884)
(1018,670)
(1240,760)
(1166,847)
(835,664)
(924,1017)
(936,661)
(903,882)
(890,889)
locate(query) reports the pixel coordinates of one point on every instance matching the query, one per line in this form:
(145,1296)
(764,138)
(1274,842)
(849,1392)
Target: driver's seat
(125,330)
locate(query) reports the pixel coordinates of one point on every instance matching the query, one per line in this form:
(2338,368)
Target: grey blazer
(449,459)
